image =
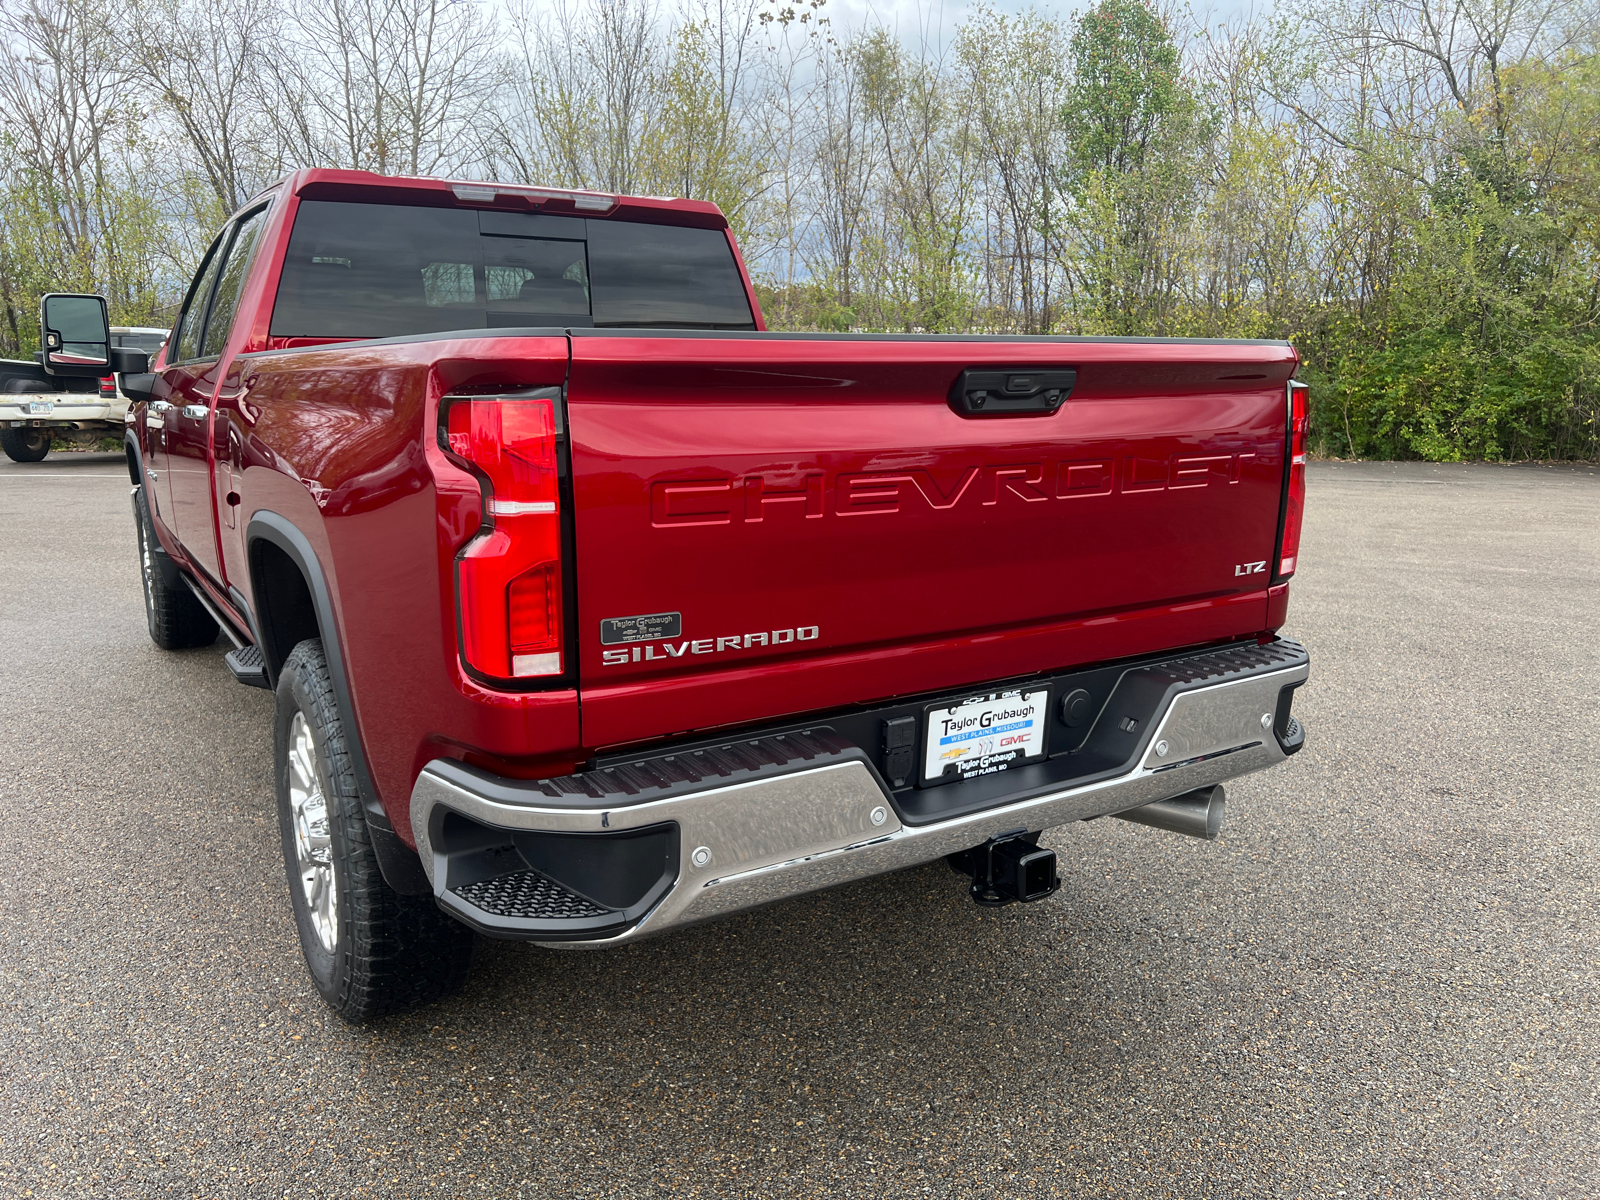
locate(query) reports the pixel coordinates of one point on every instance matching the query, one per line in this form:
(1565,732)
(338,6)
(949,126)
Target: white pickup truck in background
(36,410)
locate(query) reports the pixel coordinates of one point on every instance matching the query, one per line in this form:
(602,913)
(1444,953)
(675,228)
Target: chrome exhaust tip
(1196,814)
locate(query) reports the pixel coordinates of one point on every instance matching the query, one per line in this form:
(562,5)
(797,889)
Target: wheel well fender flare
(399,864)
(278,531)
(135,458)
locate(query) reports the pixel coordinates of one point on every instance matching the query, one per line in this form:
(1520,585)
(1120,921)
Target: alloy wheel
(147,570)
(313,841)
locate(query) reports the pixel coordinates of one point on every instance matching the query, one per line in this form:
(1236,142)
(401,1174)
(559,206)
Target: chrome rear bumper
(13,413)
(801,827)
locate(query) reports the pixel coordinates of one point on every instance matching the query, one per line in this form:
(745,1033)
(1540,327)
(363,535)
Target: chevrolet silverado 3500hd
(592,609)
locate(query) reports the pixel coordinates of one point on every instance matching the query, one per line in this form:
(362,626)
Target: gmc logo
(811,494)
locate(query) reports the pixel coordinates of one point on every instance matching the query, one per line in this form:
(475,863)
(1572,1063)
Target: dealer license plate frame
(980,759)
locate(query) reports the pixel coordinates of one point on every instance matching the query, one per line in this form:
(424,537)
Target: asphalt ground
(1381,980)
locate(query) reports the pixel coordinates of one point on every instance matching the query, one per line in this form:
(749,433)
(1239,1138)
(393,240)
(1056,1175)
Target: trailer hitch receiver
(1009,866)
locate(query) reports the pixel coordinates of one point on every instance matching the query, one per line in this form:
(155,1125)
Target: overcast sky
(936,19)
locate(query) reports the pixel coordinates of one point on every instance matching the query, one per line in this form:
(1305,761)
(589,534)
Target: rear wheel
(370,951)
(177,621)
(29,444)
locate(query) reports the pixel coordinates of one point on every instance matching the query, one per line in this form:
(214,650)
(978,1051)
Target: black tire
(380,952)
(176,620)
(28,444)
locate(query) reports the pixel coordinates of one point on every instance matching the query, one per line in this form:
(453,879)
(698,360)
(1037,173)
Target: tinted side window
(231,282)
(665,276)
(187,345)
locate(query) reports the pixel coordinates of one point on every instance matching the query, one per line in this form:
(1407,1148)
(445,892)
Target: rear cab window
(357,270)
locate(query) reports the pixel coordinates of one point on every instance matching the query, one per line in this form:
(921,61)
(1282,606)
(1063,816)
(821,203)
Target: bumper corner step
(530,896)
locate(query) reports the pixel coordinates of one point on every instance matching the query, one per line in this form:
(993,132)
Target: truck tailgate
(778,524)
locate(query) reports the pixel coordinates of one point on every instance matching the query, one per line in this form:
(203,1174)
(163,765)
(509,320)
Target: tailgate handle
(1011,391)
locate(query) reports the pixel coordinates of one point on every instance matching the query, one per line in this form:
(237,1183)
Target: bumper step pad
(619,784)
(732,762)
(1233,662)
(508,883)
(530,896)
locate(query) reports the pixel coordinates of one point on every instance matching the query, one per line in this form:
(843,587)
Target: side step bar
(246,662)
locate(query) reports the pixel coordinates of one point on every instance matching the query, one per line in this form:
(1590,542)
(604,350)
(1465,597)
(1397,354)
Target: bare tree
(392,86)
(63,87)
(929,177)
(582,98)
(71,212)
(203,61)
(785,125)
(846,162)
(1411,82)
(1015,87)
(1354,173)
(705,144)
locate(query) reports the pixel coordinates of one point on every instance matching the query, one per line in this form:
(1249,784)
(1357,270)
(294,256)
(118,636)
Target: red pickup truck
(593,609)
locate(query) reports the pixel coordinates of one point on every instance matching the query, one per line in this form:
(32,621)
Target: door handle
(195,412)
(160,406)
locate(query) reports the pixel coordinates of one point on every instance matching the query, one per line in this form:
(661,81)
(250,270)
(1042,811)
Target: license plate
(983,734)
(39,408)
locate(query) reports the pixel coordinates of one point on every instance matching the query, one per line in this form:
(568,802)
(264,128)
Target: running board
(223,623)
(246,662)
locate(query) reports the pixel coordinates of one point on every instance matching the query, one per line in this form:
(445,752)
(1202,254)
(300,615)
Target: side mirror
(76,335)
(132,368)
(125,360)
(138,388)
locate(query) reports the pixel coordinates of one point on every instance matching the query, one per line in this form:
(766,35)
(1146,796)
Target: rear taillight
(108,387)
(1294,494)
(509,579)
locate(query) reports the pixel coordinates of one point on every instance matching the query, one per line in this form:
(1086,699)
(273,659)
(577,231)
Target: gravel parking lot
(1381,981)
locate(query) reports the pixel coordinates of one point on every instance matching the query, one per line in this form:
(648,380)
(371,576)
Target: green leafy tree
(1134,127)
